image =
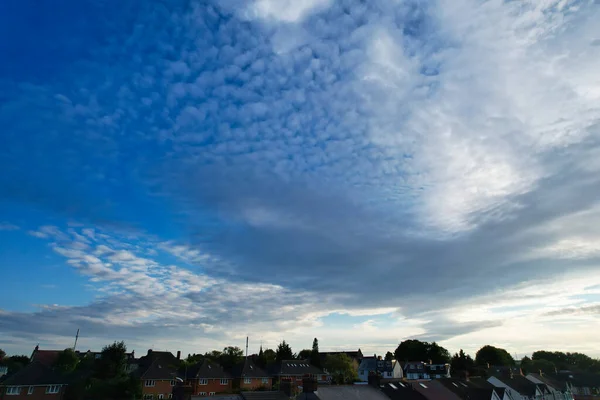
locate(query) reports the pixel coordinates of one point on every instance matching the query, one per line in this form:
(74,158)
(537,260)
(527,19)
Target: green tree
(270,356)
(341,368)
(231,356)
(66,361)
(416,350)
(113,360)
(15,363)
(315,359)
(261,360)
(493,356)
(462,363)
(214,355)
(389,356)
(284,352)
(304,354)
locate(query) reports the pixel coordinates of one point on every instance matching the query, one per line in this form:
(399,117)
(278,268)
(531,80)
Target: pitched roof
(248,369)
(434,390)
(347,392)
(159,369)
(521,384)
(466,390)
(204,369)
(401,391)
(293,367)
(264,395)
(47,357)
(36,373)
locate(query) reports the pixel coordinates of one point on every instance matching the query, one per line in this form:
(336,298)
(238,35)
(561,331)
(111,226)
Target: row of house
(159,372)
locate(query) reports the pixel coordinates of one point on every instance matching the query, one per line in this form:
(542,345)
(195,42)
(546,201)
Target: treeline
(545,361)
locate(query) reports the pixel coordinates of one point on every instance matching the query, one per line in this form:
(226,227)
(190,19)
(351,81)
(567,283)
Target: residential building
(434,390)
(414,370)
(3,370)
(401,391)
(437,371)
(207,378)
(248,376)
(294,370)
(387,369)
(560,389)
(521,388)
(158,379)
(36,381)
(467,391)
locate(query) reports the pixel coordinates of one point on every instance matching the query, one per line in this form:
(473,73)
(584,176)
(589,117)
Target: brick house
(157,371)
(36,381)
(248,376)
(207,378)
(294,371)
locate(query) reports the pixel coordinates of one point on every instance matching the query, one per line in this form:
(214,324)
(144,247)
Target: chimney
(286,387)
(430,362)
(379,358)
(149,352)
(309,385)
(132,353)
(37,347)
(178,354)
(488,365)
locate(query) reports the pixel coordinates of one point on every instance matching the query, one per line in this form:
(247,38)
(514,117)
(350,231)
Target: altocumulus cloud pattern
(359,171)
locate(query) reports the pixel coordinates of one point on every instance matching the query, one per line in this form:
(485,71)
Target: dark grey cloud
(582,310)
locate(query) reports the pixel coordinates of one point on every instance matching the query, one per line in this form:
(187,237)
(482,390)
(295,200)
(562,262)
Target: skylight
(401,384)
(423,385)
(454,383)
(464,384)
(393,386)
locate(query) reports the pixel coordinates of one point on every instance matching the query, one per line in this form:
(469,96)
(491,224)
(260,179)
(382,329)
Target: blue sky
(184,174)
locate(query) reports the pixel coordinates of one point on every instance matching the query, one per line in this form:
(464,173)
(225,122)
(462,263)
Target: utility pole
(246,347)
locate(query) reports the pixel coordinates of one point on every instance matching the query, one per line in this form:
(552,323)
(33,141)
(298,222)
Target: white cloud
(5,226)
(286,10)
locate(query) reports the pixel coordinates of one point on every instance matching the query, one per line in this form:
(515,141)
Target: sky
(183,174)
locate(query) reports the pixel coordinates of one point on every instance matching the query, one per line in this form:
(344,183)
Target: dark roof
(521,384)
(434,369)
(413,366)
(248,369)
(465,390)
(345,392)
(36,373)
(159,369)
(578,379)
(480,382)
(47,357)
(264,395)
(401,391)
(374,364)
(434,390)
(293,367)
(204,369)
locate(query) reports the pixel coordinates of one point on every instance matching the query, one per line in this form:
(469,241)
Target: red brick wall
(160,387)
(214,385)
(256,383)
(39,393)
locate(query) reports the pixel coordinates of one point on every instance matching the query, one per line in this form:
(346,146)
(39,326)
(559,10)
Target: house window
(172,383)
(223,381)
(149,383)
(148,397)
(161,396)
(265,380)
(170,396)
(13,390)
(211,394)
(247,380)
(52,389)
(202,393)
(30,390)
(203,382)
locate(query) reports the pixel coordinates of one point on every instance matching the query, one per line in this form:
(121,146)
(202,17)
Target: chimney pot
(178,354)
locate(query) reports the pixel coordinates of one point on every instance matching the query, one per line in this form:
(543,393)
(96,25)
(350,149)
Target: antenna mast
(76,337)
(246,346)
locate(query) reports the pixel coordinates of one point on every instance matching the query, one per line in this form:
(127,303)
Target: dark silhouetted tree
(304,354)
(389,356)
(341,368)
(415,350)
(493,356)
(284,352)
(66,361)
(315,359)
